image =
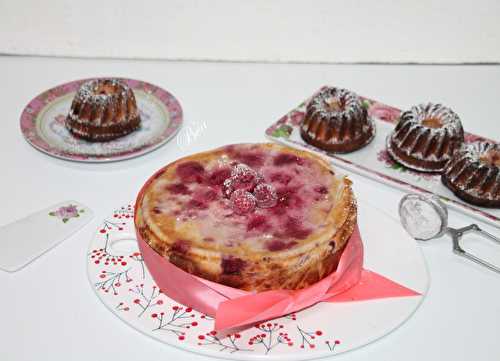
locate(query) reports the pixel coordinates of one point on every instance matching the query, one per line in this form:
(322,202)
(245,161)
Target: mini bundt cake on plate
(251,216)
(102,110)
(426,137)
(336,121)
(473,174)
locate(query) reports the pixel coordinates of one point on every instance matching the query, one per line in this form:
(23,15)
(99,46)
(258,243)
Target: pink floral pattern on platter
(35,106)
(384,157)
(131,293)
(284,129)
(65,213)
(296,118)
(383,112)
(470,138)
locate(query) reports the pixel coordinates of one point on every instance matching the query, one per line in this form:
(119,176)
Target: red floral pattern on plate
(127,288)
(123,284)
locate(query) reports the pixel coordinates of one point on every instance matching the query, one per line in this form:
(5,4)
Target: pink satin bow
(234,308)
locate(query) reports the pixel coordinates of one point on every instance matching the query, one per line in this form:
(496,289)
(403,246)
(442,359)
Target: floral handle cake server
(426,218)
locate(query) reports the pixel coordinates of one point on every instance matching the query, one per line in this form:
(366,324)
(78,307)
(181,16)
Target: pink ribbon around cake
(234,308)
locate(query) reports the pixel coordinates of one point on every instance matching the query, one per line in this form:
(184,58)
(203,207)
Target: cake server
(28,238)
(426,218)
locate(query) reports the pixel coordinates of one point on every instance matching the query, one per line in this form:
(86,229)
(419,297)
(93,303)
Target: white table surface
(49,311)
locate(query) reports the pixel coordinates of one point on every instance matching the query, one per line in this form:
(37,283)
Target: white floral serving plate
(121,280)
(374,162)
(42,124)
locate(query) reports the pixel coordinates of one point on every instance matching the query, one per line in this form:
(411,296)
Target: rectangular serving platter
(374,162)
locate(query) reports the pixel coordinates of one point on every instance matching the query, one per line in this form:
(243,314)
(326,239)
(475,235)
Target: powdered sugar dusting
(103,102)
(336,118)
(89,90)
(347,104)
(243,202)
(265,194)
(474,171)
(426,136)
(422,113)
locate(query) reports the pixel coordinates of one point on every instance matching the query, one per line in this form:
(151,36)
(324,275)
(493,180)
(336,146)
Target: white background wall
(263,30)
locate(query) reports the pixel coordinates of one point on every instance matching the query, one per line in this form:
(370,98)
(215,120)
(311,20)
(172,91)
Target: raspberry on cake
(102,110)
(240,225)
(336,121)
(426,137)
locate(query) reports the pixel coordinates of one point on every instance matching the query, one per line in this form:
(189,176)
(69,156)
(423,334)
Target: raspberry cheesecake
(251,216)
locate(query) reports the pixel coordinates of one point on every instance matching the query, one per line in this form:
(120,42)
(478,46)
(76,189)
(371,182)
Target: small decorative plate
(374,162)
(121,280)
(42,124)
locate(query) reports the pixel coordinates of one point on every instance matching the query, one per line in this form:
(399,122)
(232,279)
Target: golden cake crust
(246,260)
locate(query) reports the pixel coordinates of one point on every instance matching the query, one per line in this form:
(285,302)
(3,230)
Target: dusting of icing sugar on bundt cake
(473,174)
(336,121)
(426,137)
(102,110)
(251,216)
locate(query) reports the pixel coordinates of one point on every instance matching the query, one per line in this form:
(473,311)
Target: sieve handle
(456,236)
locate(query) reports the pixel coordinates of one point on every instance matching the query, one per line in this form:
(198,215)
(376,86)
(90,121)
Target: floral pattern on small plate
(374,162)
(42,124)
(121,280)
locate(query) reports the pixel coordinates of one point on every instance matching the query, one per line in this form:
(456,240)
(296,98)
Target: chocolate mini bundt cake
(473,174)
(426,137)
(336,121)
(102,110)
